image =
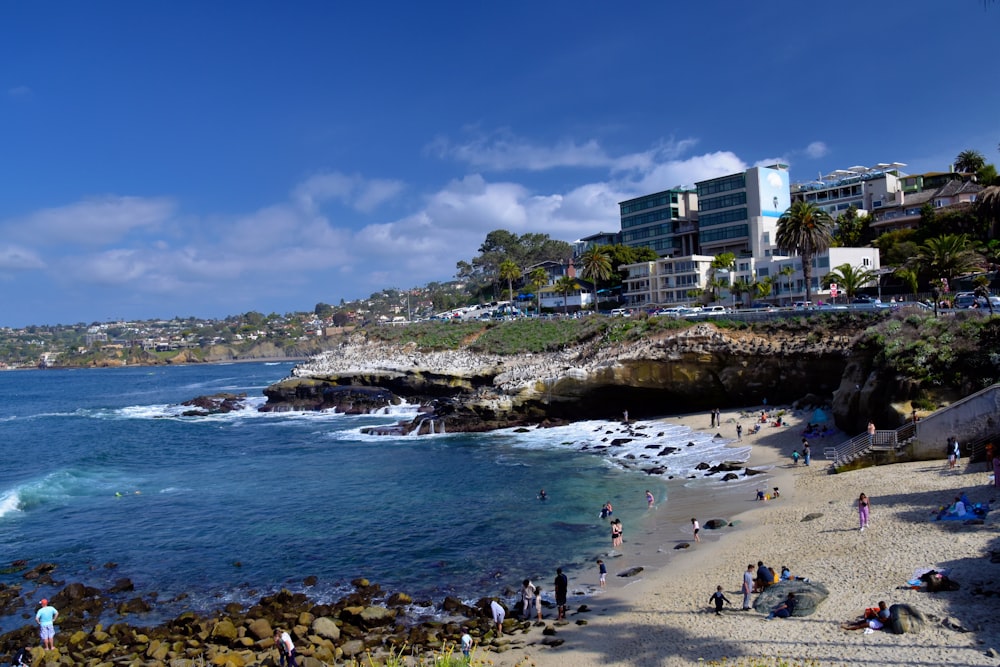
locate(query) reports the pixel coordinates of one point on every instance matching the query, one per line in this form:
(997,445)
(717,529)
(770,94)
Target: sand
(663,617)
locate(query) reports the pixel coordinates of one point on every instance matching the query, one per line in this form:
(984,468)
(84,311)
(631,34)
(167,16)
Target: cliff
(686,370)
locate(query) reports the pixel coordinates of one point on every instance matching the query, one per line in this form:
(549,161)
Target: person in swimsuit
(649,499)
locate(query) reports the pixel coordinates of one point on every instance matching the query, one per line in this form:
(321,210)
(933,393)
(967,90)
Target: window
(711,219)
(725,201)
(734,182)
(866,261)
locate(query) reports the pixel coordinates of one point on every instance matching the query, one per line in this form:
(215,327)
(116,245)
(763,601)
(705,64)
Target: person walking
(747,587)
(46,618)
(719,598)
(739,431)
(538,601)
(695,528)
(528,599)
(649,499)
(286,648)
(864,507)
(602,570)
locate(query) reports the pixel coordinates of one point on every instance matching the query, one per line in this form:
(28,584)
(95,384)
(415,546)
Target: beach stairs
(869,447)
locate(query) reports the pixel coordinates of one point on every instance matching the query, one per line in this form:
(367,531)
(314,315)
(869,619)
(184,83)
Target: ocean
(101,468)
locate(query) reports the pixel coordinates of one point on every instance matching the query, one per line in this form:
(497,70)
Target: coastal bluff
(680,371)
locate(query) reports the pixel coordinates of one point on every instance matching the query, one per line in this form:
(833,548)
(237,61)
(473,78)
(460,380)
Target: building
(865,188)
(664,221)
(904,212)
(667,281)
(595,240)
(738,213)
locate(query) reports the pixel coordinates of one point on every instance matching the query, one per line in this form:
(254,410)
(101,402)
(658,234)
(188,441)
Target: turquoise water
(233,506)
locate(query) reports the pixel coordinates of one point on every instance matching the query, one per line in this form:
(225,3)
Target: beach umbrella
(818,416)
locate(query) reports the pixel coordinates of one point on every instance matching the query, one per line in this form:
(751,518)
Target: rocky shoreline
(685,371)
(368,621)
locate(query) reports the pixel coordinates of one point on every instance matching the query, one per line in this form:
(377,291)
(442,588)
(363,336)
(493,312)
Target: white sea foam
(10,501)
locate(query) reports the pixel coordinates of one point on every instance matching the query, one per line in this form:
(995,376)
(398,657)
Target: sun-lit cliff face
(697,368)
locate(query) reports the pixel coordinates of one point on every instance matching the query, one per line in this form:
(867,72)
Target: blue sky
(207,159)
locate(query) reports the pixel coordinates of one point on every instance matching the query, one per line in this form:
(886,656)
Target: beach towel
(976,511)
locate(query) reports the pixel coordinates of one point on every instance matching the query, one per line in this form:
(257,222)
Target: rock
(730,476)
(326,628)
(904,619)
(809,593)
(683,545)
(122,586)
(715,524)
(954,624)
(224,629)
(812,517)
(399,599)
(260,628)
(220,403)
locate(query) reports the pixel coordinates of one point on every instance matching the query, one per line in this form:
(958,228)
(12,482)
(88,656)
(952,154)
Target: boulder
(631,572)
(904,619)
(326,628)
(809,593)
(715,524)
(224,629)
(260,628)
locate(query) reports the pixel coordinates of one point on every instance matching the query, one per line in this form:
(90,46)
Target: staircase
(982,402)
(865,444)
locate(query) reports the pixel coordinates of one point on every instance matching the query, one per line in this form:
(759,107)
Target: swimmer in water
(542,495)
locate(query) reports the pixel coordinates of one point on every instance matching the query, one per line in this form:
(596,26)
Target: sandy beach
(663,617)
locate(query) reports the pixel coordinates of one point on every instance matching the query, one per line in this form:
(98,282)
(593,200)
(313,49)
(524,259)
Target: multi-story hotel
(737,213)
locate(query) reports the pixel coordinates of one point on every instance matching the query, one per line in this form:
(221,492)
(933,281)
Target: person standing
(957,450)
(695,528)
(499,613)
(649,499)
(871,432)
(286,648)
(806,452)
(602,570)
(538,601)
(864,506)
(46,618)
(466,644)
(562,587)
(739,431)
(747,587)
(950,449)
(719,598)
(528,597)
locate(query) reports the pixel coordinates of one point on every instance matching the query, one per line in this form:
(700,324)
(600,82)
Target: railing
(882,440)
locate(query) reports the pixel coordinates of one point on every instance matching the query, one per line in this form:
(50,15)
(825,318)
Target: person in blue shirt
(46,617)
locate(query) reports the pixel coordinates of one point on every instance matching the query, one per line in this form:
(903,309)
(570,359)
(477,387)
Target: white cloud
(817,149)
(502,151)
(19,92)
(15,258)
(687,172)
(351,190)
(94,221)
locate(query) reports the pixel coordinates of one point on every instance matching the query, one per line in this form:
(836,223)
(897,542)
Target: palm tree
(539,278)
(762,288)
(739,288)
(910,278)
(806,229)
(724,261)
(596,267)
(510,272)
(982,291)
(988,209)
(947,256)
(969,162)
(564,286)
(849,279)
(785,271)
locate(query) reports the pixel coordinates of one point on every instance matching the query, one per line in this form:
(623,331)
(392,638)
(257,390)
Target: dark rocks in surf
(215,404)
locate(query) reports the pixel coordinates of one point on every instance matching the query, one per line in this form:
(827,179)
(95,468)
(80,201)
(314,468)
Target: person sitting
(786,575)
(785,609)
(874,618)
(956,510)
(760,494)
(795,456)
(776,494)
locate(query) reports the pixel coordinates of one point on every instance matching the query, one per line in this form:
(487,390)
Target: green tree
(785,272)
(564,286)
(969,162)
(762,287)
(806,229)
(946,257)
(910,278)
(596,267)
(982,291)
(851,230)
(724,261)
(849,279)
(323,310)
(539,278)
(739,288)
(987,207)
(620,255)
(510,272)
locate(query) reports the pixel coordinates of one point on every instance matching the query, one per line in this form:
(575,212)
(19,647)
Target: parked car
(964,300)
(621,312)
(862,298)
(803,304)
(714,310)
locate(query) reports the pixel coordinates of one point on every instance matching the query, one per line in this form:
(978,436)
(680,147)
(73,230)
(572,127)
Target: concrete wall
(972,418)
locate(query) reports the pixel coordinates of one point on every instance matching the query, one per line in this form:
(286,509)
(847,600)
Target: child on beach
(719,599)
(695,528)
(603,571)
(649,499)
(795,457)
(466,644)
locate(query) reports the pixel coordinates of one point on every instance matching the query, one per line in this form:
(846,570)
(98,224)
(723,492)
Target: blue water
(234,506)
